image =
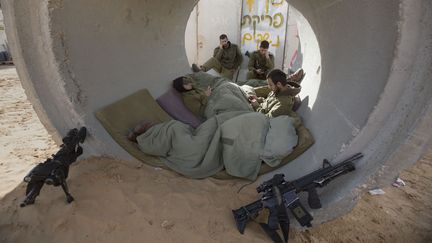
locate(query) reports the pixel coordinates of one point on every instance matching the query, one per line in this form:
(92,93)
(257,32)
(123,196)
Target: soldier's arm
(262,108)
(238,58)
(270,62)
(277,110)
(251,63)
(218,53)
(204,100)
(283,106)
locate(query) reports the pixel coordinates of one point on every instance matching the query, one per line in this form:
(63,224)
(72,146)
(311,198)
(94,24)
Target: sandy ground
(124,201)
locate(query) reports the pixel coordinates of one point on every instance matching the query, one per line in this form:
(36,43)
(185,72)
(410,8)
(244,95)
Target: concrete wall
(367,88)
(208,20)
(3,40)
(293,58)
(211,18)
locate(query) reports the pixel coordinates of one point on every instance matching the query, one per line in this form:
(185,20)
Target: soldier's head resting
(223,39)
(183,84)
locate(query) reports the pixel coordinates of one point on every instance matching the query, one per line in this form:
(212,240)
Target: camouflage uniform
(279,104)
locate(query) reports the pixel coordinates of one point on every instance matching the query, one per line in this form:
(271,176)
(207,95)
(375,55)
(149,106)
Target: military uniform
(258,61)
(225,61)
(195,100)
(279,104)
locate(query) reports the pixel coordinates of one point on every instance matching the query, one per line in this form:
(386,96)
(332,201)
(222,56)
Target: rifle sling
(283,223)
(271,233)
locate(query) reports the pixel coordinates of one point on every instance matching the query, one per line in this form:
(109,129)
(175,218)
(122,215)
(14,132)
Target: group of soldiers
(283,89)
(227,58)
(280,92)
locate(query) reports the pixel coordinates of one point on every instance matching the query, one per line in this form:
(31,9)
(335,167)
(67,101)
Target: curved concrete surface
(372,80)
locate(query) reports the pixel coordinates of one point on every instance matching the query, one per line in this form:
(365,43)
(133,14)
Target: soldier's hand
(252,98)
(254,104)
(208,91)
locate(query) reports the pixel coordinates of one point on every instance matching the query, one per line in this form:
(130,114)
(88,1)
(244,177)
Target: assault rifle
(279,195)
(55,170)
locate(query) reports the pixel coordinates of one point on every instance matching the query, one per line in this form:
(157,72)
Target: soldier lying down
(196,90)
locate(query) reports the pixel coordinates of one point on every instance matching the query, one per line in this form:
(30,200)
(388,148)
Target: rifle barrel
(305,181)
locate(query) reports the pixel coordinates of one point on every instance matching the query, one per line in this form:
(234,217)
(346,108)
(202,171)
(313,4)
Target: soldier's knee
(250,75)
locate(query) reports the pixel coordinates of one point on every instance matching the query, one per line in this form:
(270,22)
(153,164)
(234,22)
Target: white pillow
(280,140)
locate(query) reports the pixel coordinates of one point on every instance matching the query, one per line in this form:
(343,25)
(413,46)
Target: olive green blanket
(118,118)
(237,141)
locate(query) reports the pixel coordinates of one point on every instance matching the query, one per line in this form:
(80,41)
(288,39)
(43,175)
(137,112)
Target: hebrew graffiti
(263,20)
(260,37)
(278,24)
(275,21)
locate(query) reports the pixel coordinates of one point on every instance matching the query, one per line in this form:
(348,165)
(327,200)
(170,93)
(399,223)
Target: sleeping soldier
(195,99)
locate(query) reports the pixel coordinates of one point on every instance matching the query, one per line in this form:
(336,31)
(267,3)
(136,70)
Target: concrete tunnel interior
(368,76)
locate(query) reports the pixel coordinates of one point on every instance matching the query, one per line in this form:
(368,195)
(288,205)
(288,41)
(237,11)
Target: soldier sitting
(280,100)
(226,59)
(260,62)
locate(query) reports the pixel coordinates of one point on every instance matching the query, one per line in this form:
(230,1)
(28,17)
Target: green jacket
(230,58)
(258,61)
(279,104)
(195,100)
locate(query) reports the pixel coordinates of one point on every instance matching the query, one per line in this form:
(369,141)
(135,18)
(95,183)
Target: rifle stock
(246,213)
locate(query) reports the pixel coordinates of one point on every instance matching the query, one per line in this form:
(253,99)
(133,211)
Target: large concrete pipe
(370,66)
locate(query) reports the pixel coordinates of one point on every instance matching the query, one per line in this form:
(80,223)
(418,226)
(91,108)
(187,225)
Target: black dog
(55,170)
